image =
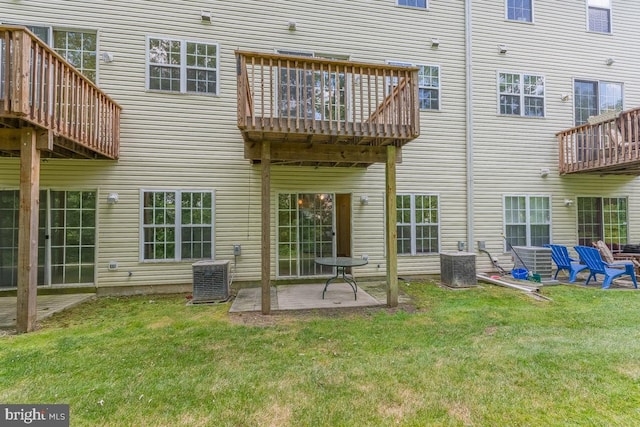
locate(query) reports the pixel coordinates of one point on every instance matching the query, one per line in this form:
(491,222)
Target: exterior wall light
(292,25)
(364,199)
(568,202)
(107,57)
(112,198)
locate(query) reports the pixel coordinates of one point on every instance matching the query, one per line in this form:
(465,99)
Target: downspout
(469,124)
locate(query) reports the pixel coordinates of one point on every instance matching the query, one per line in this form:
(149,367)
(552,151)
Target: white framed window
(428,84)
(519,10)
(78,47)
(418,223)
(176,225)
(603,218)
(521,94)
(527,220)
(599,16)
(182,66)
(422,4)
(592,98)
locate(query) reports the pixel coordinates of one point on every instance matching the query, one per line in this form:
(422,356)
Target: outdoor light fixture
(502,48)
(609,61)
(205,15)
(564,97)
(364,199)
(544,172)
(568,202)
(292,25)
(107,57)
(435,42)
(112,198)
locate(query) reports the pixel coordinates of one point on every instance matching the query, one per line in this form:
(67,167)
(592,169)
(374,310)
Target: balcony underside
(50,144)
(615,168)
(318,145)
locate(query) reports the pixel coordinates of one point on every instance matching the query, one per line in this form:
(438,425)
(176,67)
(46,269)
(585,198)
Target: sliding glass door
(305,232)
(66,237)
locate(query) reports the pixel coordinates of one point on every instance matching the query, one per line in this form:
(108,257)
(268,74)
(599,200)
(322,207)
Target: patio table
(341,264)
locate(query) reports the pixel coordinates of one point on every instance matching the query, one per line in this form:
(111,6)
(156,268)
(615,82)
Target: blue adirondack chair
(591,257)
(560,256)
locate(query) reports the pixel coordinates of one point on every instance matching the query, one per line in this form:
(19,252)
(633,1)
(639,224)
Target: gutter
(469,124)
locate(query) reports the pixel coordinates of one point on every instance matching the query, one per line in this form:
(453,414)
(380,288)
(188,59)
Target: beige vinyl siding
(184,141)
(510,151)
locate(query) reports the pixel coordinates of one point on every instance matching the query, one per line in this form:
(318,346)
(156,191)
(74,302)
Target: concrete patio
(309,296)
(46,304)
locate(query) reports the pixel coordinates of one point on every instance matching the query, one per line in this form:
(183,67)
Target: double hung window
(423,4)
(520,10)
(599,16)
(182,66)
(177,225)
(521,94)
(428,84)
(78,47)
(527,220)
(418,219)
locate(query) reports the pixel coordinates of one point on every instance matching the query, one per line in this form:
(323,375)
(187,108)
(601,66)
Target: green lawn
(486,356)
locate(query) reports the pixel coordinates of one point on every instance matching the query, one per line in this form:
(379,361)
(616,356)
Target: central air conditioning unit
(210,281)
(536,259)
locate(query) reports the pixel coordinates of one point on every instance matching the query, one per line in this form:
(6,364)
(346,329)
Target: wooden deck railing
(609,143)
(371,104)
(39,87)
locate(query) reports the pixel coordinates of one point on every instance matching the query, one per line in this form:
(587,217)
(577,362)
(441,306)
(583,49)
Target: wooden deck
(317,111)
(39,90)
(609,144)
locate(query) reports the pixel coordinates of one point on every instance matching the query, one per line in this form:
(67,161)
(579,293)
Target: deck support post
(391,227)
(26,315)
(266,227)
